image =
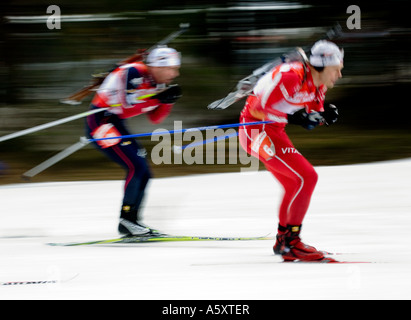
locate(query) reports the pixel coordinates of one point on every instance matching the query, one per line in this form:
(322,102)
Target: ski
(327,253)
(19,283)
(330,262)
(325,260)
(158,238)
(37,282)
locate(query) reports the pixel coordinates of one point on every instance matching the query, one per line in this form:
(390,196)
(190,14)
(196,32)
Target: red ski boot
(290,246)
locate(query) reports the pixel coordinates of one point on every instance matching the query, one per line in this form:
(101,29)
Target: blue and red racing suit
(127,92)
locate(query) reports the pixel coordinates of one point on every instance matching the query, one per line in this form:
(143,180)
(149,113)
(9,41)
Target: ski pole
(58,157)
(50,124)
(84,141)
(178,149)
(158,133)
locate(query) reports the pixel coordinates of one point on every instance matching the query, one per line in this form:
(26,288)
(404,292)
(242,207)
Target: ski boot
(129,228)
(290,246)
(130,225)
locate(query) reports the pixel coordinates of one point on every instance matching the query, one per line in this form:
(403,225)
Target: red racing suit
(282,91)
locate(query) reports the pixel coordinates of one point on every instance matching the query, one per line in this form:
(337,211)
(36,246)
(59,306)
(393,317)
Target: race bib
(263,146)
(106,131)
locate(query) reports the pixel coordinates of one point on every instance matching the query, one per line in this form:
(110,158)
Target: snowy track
(361,210)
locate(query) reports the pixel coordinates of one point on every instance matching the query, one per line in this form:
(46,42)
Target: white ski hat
(163,57)
(325,53)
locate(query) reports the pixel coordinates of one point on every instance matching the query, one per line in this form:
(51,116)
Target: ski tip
(56,244)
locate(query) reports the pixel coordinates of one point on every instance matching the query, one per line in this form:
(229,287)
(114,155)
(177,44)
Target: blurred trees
(226,41)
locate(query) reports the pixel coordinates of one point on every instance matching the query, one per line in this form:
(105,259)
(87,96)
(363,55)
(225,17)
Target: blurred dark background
(226,41)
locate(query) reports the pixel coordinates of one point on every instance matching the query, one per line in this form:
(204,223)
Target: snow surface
(363,211)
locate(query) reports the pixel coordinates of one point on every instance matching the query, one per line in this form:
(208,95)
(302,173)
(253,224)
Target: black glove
(170,95)
(307,120)
(330,114)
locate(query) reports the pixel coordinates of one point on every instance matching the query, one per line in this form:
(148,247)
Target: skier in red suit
(292,93)
(131,90)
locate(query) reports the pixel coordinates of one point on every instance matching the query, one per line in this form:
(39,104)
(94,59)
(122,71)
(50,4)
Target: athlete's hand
(330,114)
(307,120)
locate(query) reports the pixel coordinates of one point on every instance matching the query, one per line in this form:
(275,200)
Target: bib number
(106,131)
(263,146)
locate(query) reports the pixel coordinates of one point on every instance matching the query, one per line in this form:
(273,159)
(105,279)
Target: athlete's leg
(129,154)
(298,178)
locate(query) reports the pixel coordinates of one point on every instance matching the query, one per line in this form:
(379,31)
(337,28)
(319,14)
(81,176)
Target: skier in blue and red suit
(128,91)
